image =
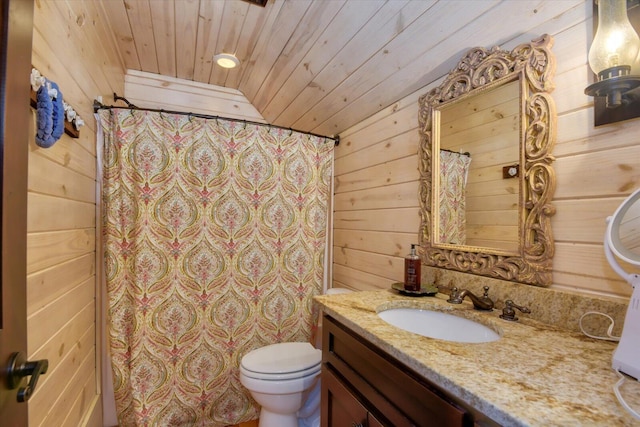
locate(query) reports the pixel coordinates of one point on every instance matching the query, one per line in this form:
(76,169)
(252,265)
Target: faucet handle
(485,298)
(454,296)
(508,312)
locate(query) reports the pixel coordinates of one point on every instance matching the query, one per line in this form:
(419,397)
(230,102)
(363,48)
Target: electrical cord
(616,390)
(609,336)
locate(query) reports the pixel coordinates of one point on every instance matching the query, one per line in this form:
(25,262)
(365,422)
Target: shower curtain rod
(97,105)
(466,153)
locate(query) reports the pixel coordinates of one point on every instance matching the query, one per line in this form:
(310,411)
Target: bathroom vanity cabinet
(377,374)
(364,386)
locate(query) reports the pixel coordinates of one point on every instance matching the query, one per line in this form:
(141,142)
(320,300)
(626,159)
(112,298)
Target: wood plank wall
(161,92)
(376,168)
(72,47)
(155,91)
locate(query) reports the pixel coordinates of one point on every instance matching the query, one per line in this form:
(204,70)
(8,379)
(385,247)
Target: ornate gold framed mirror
(486,180)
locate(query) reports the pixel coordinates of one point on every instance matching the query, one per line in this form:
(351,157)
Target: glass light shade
(616,42)
(226,60)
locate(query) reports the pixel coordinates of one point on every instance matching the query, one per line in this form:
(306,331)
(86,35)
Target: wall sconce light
(226,60)
(615,59)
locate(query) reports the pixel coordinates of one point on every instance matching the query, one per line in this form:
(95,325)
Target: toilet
(284,379)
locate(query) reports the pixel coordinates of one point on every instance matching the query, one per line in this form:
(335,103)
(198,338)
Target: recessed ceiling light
(226,60)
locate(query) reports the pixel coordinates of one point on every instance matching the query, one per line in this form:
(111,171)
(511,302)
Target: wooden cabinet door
(373,421)
(16,18)
(340,408)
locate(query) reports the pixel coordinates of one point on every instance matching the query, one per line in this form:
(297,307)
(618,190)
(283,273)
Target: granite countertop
(534,375)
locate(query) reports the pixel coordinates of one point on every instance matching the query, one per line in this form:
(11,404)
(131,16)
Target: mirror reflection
(486,181)
(628,230)
(478,164)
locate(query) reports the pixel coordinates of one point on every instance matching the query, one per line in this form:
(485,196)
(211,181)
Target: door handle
(20,367)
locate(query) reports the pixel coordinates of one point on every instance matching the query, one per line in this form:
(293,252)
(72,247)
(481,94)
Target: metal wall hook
(117,98)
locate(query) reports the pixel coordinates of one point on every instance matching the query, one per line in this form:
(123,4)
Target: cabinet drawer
(385,384)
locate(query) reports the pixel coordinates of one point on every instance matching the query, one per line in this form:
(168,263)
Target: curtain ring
(290,131)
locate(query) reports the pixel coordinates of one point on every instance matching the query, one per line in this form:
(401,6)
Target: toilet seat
(281,376)
(282,361)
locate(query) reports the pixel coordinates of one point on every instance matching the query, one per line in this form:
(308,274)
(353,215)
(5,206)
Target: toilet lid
(282,358)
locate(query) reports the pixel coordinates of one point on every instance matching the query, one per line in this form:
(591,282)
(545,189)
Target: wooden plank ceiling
(313,65)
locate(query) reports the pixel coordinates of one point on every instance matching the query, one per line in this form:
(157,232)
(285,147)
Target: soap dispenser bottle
(412,271)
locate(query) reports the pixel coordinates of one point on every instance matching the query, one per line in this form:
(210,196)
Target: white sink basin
(436,324)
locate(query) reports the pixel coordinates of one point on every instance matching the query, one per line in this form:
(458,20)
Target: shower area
(214,234)
(454,170)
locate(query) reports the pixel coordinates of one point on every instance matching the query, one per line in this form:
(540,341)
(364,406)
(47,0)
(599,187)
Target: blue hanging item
(44,117)
(58,113)
(49,114)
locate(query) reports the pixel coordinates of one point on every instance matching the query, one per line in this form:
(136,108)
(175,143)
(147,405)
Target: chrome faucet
(479,303)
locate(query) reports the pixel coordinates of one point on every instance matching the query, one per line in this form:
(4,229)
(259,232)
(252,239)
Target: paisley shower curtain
(454,168)
(214,235)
